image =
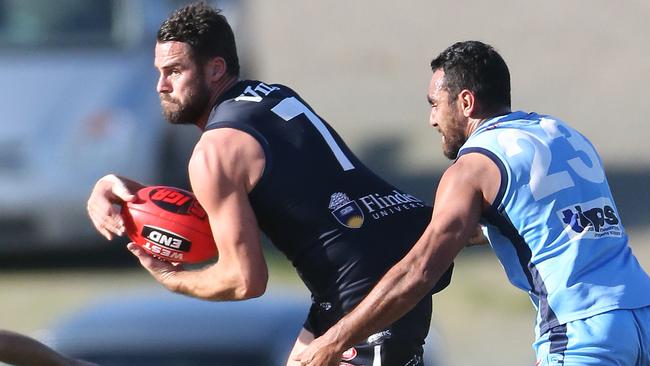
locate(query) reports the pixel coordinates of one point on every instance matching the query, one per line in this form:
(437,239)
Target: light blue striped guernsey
(554,224)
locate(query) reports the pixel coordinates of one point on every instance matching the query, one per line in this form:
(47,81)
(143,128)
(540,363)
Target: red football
(170,224)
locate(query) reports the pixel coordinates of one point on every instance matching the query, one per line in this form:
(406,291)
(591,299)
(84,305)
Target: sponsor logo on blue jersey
(591,220)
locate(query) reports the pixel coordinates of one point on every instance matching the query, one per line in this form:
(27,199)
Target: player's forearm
(397,293)
(219,283)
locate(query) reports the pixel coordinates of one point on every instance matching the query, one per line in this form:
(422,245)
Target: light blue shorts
(618,337)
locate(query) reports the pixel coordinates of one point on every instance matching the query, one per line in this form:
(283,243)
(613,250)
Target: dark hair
(477,67)
(205,30)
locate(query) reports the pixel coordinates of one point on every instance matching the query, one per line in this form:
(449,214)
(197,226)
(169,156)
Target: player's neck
(223,85)
(474,123)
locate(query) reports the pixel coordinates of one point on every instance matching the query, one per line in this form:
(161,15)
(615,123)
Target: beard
(453,141)
(177,112)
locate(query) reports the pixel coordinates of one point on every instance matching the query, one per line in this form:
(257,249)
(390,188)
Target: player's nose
(163,85)
(433,121)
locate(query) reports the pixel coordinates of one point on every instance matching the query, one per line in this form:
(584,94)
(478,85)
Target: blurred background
(78,101)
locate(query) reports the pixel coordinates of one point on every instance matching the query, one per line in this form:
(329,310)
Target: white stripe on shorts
(376,361)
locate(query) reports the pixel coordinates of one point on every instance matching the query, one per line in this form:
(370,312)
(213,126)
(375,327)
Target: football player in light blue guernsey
(538,187)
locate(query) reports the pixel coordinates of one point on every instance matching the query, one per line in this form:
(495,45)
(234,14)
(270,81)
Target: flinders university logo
(592,220)
(346,211)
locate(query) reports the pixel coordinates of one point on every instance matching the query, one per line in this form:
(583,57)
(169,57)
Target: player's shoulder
(472,165)
(247,101)
(227,153)
(255,93)
(225,141)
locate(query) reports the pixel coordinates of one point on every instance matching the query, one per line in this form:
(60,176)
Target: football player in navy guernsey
(539,188)
(267,161)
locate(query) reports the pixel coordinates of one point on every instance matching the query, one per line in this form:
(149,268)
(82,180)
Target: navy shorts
(382,352)
(399,345)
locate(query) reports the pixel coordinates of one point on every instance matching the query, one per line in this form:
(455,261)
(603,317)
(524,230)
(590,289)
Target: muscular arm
(224,167)
(464,190)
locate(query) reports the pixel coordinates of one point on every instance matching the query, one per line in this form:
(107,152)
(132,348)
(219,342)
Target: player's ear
(215,69)
(468,102)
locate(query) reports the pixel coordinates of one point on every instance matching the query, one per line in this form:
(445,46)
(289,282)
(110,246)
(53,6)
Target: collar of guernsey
(230,93)
(493,122)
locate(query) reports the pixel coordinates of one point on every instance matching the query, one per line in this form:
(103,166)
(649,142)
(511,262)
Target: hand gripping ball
(170,224)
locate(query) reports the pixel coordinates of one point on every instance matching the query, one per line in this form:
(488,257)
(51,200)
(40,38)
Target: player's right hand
(109,192)
(164,272)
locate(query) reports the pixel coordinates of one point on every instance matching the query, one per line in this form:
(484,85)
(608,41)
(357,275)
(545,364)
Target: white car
(78,101)
(166,329)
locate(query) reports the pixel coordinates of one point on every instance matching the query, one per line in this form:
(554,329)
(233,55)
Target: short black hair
(477,67)
(205,30)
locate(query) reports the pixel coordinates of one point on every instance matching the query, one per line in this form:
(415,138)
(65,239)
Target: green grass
(481,317)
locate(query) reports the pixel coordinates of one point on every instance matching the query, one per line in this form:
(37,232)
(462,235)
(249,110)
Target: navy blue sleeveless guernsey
(341,225)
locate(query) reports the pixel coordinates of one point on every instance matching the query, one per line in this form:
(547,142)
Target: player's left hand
(320,352)
(164,272)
